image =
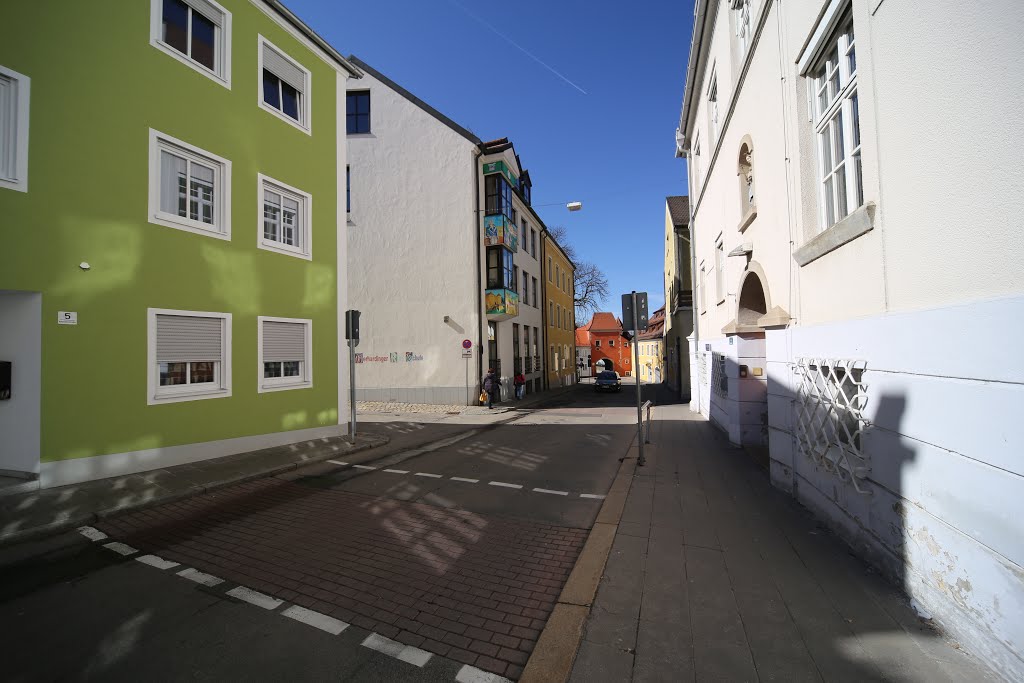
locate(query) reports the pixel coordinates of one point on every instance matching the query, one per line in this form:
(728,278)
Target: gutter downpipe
(698,24)
(694,314)
(479,275)
(544,307)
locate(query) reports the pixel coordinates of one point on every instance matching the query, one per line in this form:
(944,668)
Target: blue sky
(611,148)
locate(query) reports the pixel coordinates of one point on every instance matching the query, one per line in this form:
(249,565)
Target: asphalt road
(454,555)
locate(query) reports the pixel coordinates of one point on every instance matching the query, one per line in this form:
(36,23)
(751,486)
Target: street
(448,547)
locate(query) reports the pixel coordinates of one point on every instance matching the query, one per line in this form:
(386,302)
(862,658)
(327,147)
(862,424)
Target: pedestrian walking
(491,387)
(520,384)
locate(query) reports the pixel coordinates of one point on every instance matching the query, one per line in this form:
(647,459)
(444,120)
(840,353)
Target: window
(189,355)
(348,189)
(695,168)
(713,109)
(493,361)
(720,272)
(357,111)
(517,360)
(498,197)
(196,33)
(536,350)
(524,230)
(14,96)
(551,314)
(501,273)
(286,218)
(189,188)
(611,343)
(285,353)
(741,10)
(549,270)
(837,125)
(597,343)
(534,292)
(526,289)
(284,86)
(558,316)
(533,243)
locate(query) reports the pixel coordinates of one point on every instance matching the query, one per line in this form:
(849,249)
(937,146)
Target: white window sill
(191,63)
(188,225)
(12,184)
(284,386)
(860,221)
(748,217)
(307,129)
(179,396)
(268,245)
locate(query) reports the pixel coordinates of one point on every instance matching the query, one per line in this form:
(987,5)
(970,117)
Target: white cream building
(857,264)
(418,258)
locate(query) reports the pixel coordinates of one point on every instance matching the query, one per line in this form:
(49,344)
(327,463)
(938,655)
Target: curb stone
(553,657)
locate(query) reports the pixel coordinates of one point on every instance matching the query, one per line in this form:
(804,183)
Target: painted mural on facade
(498,230)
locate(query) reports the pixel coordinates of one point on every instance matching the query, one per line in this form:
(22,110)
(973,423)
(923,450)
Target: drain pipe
(479,274)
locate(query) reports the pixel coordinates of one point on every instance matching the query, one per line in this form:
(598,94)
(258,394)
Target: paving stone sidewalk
(716,576)
(24,516)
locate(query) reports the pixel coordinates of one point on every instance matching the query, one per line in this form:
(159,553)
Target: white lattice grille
(830,416)
(702,370)
(719,380)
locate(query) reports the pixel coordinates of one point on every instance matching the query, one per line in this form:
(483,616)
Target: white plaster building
(421,256)
(857,266)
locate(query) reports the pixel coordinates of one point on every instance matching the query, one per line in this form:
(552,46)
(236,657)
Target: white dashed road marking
(255,597)
(591,495)
(406,653)
(158,562)
(364,467)
(471,674)
(338,462)
(555,493)
(468,481)
(315,619)
(199,577)
(428,474)
(91,533)
(397,471)
(120,548)
(505,484)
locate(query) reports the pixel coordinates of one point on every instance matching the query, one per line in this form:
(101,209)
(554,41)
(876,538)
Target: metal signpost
(467,353)
(352,335)
(634,316)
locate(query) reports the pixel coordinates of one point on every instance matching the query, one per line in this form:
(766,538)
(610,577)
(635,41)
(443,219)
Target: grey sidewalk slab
(35,514)
(716,575)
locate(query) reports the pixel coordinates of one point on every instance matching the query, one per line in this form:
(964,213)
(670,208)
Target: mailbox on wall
(5,380)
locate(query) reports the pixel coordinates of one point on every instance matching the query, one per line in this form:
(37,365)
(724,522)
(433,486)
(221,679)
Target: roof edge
(415,100)
(305,30)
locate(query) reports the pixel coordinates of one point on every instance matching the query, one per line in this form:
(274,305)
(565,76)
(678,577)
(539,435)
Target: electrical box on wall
(5,380)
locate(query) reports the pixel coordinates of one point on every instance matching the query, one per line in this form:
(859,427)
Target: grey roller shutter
(283,68)
(189,338)
(284,341)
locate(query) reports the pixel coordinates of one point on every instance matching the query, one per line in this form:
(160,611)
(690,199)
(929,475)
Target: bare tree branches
(590,285)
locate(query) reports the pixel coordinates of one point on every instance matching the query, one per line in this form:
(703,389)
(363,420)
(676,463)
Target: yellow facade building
(559,314)
(650,347)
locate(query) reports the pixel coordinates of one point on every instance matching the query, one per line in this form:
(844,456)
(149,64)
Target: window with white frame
(196,33)
(741,13)
(713,108)
(720,272)
(285,353)
(286,218)
(550,274)
(695,167)
(14,96)
(836,113)
(189,355)
(189,188)
(284,86)
(551,314)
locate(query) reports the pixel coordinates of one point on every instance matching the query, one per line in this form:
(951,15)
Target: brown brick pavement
(473,588)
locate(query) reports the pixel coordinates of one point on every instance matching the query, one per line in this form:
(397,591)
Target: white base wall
(20,417)
(943,514)
(77,470)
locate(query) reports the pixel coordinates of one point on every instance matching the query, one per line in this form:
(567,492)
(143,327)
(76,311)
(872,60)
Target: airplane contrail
(517,46)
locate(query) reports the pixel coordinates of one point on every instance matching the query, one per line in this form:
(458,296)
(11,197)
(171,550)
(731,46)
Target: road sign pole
(636,375)
(352,388)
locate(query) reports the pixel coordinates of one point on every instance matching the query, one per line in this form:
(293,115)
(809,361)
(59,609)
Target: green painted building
(174,235)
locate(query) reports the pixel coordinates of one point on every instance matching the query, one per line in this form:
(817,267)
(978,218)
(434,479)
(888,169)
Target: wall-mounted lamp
(84,265)
(447,318)
(574,206)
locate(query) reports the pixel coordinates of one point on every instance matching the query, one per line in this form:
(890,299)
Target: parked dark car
(607,380)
